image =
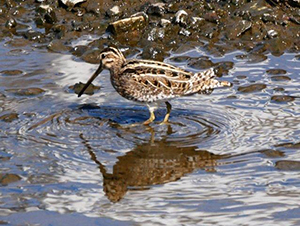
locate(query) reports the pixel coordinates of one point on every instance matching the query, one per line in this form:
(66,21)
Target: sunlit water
(229,158)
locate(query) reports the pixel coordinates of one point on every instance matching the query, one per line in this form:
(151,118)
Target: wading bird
(151,82)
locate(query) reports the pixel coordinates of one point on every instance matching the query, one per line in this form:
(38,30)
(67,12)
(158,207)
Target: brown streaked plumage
(151,81)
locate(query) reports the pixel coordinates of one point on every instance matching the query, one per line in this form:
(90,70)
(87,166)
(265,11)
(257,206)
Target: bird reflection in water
(151,163)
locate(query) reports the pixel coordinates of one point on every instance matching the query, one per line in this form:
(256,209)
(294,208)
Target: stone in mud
(272,34)
(180,59)
(289,145)
(154,52)
(157,9)
(156,34)
(184,32)
(222,68)
(282,98)
(58,31)
(268,17)
(295,3)
(196,23)
(71,3)
(280,78)
(288,165)
(9,117)
(237,29)
(114,11)
(181,18)
(79,86)
(79,50)
(47,15)
(212,17)
(252,58)
(164,23)
(58,46)
(33,35)
(201,63)
(11,23)
(271,153)
(8,178)
(11,72)
(26,91)
(251,88)
(128,24)
(91,56)
(276,71)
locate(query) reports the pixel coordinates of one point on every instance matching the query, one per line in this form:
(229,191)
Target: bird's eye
(103,56)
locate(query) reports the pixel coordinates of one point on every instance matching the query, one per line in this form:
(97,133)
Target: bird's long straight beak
(100,68)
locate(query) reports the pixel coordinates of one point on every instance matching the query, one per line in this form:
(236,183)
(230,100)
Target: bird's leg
(169,108)
(152,116)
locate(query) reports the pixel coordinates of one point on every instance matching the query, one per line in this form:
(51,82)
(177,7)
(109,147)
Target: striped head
(111,58)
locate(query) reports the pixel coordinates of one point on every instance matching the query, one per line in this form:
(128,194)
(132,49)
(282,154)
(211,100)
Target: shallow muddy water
(229,158)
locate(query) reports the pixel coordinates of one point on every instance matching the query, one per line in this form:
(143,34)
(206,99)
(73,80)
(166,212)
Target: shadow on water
(151,163)
(155,154)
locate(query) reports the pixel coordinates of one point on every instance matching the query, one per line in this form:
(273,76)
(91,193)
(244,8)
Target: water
(229,158)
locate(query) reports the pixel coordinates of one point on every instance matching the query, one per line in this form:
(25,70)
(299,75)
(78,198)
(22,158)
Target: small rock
(26,91)
(79,50)
(181,18)
(196,22)
(272,34)
(8,178)
(58,46)
(252,57)
(276,71)
(267,17)
(295,3)
(222,68)
(201,63)
(156,33)
(9,117)
(11,23)
(280,78)
(155,52)
(71,3)
(128,24)
(91,56)
(114,11)
(271,153)
(212,17)
(33,35)
(164,23)
(58,30)
(11,72)
(251,88)
(184,32)
(238,29)
(288,165)
(157,9)
(47,14)
(180,59)
(282,98)
(79,86)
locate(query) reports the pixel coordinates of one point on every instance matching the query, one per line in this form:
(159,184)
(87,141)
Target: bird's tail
(208,81)
(223,84)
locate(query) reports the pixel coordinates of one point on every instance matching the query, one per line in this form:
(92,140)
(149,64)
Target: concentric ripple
(118,128)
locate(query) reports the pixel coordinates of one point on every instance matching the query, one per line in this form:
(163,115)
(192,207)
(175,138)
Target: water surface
(229,158)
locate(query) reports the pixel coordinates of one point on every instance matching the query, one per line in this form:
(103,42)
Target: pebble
(114,11)
(252,88)
(157,9)
(181,18)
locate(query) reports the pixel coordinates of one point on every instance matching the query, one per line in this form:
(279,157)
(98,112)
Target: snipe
(151,81)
